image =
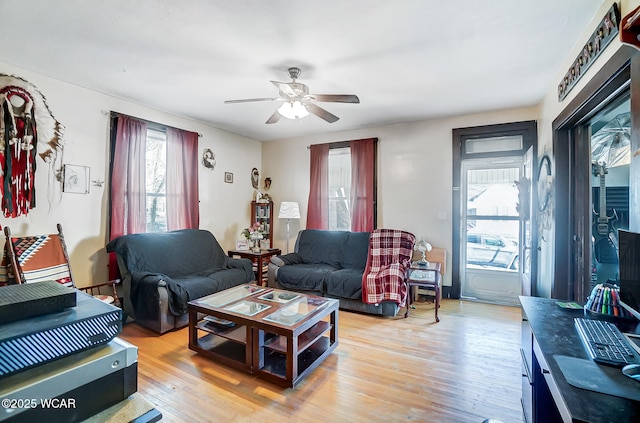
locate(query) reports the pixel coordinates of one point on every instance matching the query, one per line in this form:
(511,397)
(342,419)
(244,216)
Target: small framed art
(228,177)
(242,245)
(75,179)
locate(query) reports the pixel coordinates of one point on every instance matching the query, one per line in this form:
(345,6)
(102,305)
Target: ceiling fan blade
(336,98)
(321,113)
(248,100)
(285,88)
(274,118)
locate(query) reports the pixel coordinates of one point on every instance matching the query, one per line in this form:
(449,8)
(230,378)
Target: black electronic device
(629,265)
(37,340)
(73,388)
(26,300)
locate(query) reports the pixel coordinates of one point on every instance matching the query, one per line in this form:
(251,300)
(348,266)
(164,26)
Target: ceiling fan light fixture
(293,110)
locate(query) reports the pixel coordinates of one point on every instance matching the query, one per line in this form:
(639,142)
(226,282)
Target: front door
(493,247)
(491,229)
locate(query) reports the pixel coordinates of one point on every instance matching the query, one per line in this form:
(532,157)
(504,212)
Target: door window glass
(610,160)
(492,220)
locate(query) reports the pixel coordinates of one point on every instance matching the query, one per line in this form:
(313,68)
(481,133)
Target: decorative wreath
(208,159)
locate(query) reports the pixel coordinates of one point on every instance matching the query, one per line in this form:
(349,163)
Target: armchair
(389,256)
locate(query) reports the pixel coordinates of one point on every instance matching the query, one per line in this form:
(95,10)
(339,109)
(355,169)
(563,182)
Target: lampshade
(423,246)
(293,110)
(289,210)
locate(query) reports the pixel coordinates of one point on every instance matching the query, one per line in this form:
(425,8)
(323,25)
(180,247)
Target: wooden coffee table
(278,335)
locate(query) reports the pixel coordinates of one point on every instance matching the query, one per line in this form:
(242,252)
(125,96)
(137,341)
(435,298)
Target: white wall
(414,174)
(414,182)
(415,160)
(550,108)
(224,208)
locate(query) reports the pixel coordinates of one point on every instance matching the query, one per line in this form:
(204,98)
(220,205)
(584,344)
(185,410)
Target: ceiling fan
(298,103)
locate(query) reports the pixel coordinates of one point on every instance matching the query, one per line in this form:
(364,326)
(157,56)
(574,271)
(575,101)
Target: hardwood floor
(464,369)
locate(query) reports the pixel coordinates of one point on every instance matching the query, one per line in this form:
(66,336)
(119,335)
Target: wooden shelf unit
(263,213)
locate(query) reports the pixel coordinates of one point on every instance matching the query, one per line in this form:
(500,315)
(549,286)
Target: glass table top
(248,308)
(296,310)
(230,295)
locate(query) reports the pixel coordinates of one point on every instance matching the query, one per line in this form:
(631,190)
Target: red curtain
(182,180)
(362,180)
(128,189)
(318,206)
(128,200)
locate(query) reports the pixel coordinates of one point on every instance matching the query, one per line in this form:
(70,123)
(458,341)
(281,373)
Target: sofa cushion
(228,278)
(318,246)
(177,253)
(355,251)
(344,283)
(182,290)
(187,289)
(304,277)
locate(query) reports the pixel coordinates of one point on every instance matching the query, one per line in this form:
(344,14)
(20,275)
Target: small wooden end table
(260,261)
(424,276)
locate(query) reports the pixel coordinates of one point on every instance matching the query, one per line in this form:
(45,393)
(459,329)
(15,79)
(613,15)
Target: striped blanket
(390,254)
(42,258)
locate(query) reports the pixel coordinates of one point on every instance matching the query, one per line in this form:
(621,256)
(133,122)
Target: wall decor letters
(602,36)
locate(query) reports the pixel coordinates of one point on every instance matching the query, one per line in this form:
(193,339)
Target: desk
(260,261)
(424,277)
(548,331)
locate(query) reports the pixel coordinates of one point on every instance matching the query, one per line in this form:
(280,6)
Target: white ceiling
(407,60)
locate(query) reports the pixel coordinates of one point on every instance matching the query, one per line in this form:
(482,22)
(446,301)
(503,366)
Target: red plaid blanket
(390,254)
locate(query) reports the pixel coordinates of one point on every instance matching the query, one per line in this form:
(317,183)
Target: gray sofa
(328,264)
(161,272)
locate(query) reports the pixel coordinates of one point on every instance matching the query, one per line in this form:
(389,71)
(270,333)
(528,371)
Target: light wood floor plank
(464,369)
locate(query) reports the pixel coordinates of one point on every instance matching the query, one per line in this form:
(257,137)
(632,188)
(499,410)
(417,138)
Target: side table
(260,261)
(424,276)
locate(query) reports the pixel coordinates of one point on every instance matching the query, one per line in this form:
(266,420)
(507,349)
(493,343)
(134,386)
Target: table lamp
(289,210)
(423,246)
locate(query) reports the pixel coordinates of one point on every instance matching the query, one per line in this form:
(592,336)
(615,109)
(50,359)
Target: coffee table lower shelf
(274,366)
(228,348)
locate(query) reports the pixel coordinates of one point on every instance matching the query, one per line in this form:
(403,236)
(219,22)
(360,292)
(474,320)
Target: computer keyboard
(605,343)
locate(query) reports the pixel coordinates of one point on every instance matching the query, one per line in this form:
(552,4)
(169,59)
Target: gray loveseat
(161,272)
(329,264)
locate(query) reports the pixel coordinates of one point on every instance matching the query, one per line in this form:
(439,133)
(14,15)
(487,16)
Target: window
(342,194)
(156,180)
(340,189)
(149,193)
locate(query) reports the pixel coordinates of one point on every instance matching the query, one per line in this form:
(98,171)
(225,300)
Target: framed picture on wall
(228,177)
(75,179)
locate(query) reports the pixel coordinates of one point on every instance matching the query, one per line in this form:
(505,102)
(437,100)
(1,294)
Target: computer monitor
(629,265)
